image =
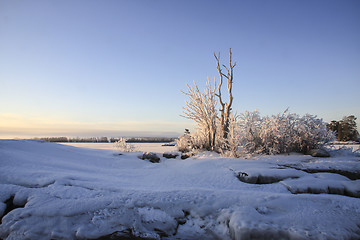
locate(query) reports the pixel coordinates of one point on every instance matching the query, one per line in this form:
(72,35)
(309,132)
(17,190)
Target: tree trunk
(225,108)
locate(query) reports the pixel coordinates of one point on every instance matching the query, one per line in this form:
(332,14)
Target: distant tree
(53,139)
(113,139)
(150,140)
(345,129)
(102,139)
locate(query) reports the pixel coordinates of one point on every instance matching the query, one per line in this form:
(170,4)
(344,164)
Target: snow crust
(64,192)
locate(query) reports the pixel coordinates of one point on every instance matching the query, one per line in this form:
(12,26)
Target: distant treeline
(105,139)
(150,140)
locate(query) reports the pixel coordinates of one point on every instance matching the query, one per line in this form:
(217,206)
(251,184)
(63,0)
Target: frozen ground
(53,191)
(145,147)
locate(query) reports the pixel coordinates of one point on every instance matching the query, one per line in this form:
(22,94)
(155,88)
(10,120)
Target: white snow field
(145,147)
(54,191)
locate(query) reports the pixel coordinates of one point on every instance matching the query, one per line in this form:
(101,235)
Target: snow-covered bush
(194,142)
(230,147)
(183,143)
(249,133)
(282,133)
(312,133)
(123,146)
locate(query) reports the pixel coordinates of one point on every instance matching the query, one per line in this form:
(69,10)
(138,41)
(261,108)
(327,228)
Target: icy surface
(53,191)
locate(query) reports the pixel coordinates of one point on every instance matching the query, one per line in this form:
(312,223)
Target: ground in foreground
(52,191)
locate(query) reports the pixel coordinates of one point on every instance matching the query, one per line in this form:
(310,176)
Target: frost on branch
(213,129)
(230,147)
(282,133)
(201,107)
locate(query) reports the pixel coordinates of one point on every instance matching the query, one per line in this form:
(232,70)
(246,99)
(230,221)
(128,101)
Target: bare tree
(225,107)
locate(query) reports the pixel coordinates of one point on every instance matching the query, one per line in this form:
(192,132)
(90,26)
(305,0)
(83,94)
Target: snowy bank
(53,191)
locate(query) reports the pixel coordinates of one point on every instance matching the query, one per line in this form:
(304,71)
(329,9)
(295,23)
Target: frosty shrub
(198,141)
(123,146)
(183,143)
(249,133)
(282,133)
(249,125)
(230,147)
(194,142)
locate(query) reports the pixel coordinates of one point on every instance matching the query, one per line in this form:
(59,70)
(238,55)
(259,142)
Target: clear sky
(109,68)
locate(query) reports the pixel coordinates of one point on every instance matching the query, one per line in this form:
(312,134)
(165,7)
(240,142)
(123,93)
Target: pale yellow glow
(12,125)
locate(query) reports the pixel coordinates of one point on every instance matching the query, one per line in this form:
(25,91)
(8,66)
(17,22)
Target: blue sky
(84,68)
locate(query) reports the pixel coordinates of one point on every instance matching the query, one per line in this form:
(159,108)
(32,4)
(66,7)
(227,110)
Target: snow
(144,147)
(64,192)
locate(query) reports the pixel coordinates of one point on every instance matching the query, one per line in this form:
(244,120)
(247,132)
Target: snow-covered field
(54,191)
(355,147)
(144,147)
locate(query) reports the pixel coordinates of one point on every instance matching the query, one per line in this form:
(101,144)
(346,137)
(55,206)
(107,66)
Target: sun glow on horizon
(17,126)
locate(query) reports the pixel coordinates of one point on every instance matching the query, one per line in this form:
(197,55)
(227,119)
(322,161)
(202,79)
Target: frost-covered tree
(201,107)
(212,129)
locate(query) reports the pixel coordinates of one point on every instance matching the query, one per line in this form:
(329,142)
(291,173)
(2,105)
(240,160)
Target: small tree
(184,143)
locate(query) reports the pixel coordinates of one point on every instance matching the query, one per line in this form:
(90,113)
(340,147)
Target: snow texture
(53,191)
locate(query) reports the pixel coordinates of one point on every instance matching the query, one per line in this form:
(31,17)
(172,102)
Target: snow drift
(53,191)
